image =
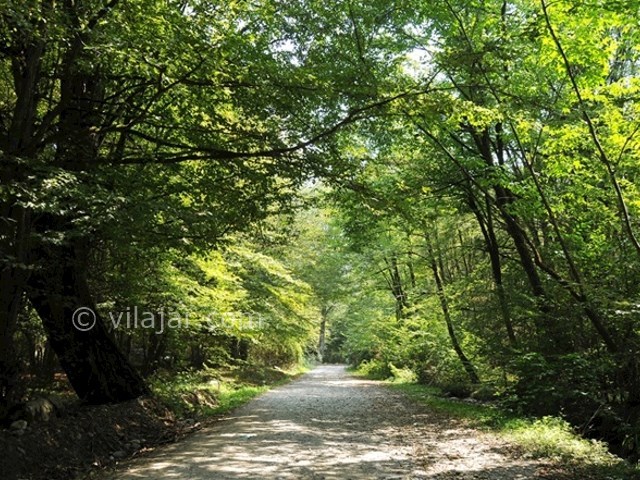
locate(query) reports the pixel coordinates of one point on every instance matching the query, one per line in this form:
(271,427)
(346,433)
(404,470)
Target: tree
(107,135)
(526,122)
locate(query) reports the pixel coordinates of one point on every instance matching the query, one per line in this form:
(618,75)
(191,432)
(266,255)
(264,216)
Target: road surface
(330,425)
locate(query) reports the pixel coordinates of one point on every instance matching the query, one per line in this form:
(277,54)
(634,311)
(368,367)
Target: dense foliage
(443,188)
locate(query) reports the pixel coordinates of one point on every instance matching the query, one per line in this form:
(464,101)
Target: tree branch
(604,158)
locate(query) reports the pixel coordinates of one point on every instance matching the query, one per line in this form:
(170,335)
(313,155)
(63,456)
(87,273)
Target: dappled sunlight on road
(326,425)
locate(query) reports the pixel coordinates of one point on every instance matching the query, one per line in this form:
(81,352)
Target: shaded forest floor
(80,439)
(85,437)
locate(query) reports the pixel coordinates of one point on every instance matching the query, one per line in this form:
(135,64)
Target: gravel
(329,425)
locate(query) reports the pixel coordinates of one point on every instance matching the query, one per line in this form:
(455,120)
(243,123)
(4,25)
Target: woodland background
(448,188)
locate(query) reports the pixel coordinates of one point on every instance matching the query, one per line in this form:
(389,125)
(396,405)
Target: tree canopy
(449,187)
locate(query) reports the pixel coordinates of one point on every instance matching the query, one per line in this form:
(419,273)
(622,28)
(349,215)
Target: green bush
(402,375)
(567,384)
(375,369)
(553,437)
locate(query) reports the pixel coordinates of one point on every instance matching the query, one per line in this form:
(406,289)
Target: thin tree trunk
(396,287)
(576,287)
(503,199)
(547,327)
(47,367)
(491,242)
(322,337)
(466,363)
(412,273)
(465,263)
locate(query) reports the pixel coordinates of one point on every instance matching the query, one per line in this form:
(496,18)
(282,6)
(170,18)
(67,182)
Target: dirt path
(329,425)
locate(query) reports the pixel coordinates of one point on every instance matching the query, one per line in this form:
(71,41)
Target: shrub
(402,375)
(375,369)
(569,385)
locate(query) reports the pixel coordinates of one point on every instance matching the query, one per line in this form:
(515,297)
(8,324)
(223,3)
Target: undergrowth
(547,437)
(212,392)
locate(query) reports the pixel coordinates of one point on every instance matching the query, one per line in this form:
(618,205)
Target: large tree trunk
(58,290)
(10,296)
(58,287)
(15,219)
(14,234)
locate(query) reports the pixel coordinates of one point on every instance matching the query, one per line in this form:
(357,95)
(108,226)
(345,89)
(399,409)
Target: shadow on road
(327,425)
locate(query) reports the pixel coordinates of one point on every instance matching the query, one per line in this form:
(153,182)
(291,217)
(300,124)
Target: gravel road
(329,425)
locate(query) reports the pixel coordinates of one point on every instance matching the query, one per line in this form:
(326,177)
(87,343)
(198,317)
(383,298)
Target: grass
(548,437)
(231,398)
(213,392)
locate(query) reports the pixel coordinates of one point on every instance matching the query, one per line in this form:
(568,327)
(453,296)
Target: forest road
(330,425)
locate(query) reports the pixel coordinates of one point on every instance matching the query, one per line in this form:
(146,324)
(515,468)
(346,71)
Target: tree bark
(15,219)
(10,300)
(550,333)
(97,370)
(14,241)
